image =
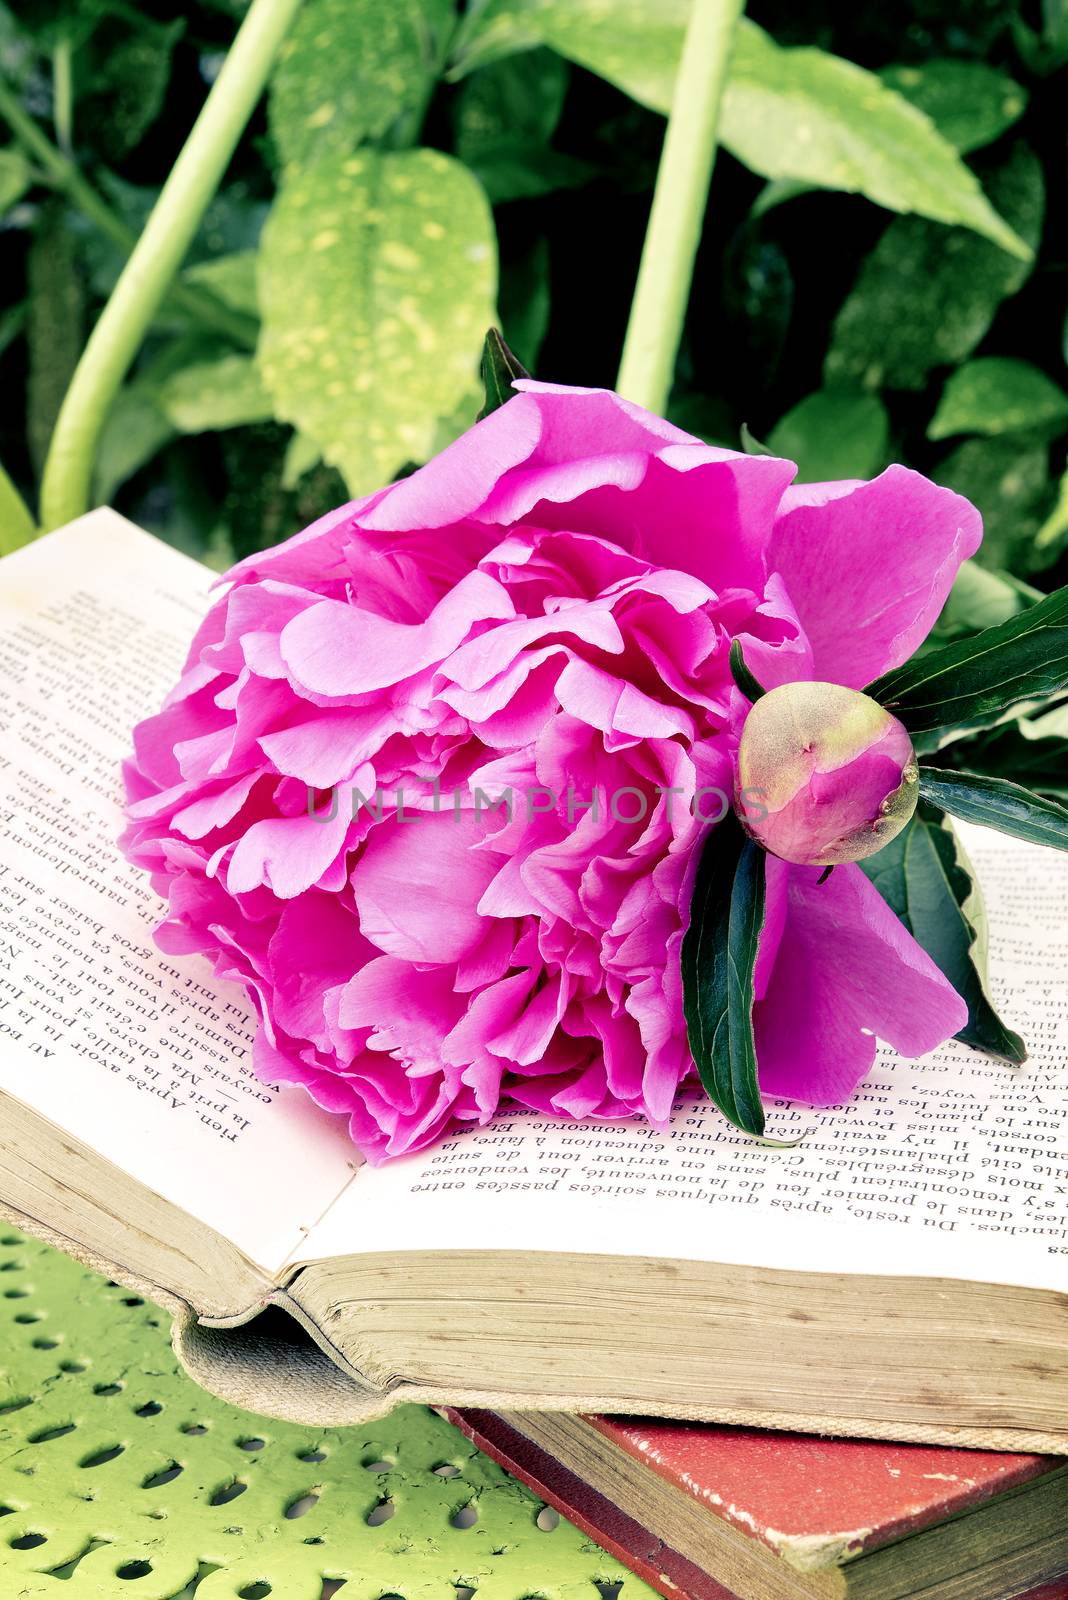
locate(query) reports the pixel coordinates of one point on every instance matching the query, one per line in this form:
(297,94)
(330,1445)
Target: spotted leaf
(377,283)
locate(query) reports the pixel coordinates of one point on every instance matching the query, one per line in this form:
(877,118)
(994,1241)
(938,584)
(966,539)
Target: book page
(953,1166)
(143,1058)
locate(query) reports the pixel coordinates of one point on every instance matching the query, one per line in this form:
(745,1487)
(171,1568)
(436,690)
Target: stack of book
(710,1513)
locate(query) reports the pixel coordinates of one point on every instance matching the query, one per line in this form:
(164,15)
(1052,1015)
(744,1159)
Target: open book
(900,1273)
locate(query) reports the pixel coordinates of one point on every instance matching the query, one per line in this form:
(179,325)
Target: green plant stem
(63,94)
(62,173)
(663,287)
(16,522)
(193,180)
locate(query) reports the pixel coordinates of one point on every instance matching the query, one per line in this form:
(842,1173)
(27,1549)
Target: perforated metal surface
(121,1480)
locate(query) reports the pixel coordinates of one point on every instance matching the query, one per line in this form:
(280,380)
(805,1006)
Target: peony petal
(845,972)
(327,749)
(417,886)
(869,567)
(287,854)
(456,483)
(407,1010)
(338,649)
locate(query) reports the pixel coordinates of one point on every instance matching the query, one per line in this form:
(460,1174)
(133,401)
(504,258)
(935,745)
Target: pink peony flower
(540,617)
(835,772)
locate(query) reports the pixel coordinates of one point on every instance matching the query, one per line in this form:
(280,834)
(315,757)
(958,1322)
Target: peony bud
(835,773)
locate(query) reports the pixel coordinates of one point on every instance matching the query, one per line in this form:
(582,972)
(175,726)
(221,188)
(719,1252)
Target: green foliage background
(883,273)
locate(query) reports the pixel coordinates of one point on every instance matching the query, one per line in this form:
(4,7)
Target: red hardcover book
(714,1513)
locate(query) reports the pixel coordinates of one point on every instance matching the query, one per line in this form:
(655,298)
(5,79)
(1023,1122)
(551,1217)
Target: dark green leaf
(125,82)
(1028,750)
(998,394)
(1045,52)
(524,303)
(969,103)
(136,430)
(980,599)
(1052,537)
(12,323)
(499,370)
(741,674)
(923,876)
(504,116)
(515,172)
(834,433)
(926,295)
(1025,658)
(1009,480)
(996,803)
(517,100)
(719,953)
(751,444)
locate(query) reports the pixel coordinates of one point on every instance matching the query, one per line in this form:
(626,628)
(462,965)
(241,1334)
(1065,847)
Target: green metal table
(119,1477)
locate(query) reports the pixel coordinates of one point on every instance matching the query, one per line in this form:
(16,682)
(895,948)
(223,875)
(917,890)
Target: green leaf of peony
(981,599)
(377,281)
(1052,536)
(524,302)
(996,803)
(516,101)
(998,394)
(209,395)
(834,433)
(1029,749)
(719,954)
(511,172)
(925,879)
(137,427)
(751,444)
(123,79)
(969,103)
(231,278)
(302,455)
(926,295)
(136,430)
(980,678)
(499,369)
(504,116)
(1009,480)
(794,113)
(350,69)
(742,676)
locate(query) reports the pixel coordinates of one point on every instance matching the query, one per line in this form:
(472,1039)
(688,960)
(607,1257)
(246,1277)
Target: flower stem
(193,180)
(663,287)
(63,94)
(60,172)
